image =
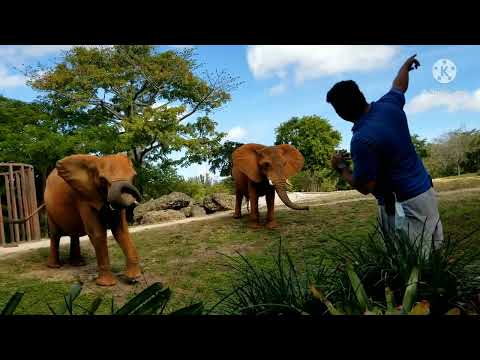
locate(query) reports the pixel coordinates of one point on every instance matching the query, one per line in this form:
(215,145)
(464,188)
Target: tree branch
(195,108)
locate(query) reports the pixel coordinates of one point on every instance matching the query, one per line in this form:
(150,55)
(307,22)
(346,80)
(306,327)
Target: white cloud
(10,80)
(236,134)
(449,100)
(277,89)
(314,61)
(12,56)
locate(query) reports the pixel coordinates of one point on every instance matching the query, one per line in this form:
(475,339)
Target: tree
(453,152)
(29,135)
(221,159)
(313,136)
(421,146)
(143,98)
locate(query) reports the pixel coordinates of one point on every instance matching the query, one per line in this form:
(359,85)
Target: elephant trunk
(122,194)
(282,194)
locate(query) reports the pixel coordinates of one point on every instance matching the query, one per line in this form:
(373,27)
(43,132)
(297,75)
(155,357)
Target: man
(385,161)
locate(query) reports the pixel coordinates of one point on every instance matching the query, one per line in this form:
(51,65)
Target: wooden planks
(21,201)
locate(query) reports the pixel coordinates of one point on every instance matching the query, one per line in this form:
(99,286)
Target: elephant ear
(294,158)
(80,172)
(245,158)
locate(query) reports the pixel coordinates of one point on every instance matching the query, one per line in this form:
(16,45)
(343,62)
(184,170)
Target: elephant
(85,195)
(260,170)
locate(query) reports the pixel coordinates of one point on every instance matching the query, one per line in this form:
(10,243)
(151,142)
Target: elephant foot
(133,272)
(272,225)
(237,216)
(106,279)
(78,261)
(54,263)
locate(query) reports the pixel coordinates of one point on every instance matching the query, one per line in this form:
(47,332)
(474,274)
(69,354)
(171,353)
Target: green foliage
(221,159)
(317,181)
(151,301)
(119,89)
(275,288)
(421,146)
(449,275)
(313,136)
(454,153)
(156,180)
(198,188)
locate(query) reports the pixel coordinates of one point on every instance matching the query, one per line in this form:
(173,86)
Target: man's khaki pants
(416,216)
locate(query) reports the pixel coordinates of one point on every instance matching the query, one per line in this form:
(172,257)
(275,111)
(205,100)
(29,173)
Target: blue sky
(284,81)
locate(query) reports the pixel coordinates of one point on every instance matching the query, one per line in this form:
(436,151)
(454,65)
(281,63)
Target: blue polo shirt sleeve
(365,161)
(394,96)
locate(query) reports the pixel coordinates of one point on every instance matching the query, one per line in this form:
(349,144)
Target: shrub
(151,301)
(448,276)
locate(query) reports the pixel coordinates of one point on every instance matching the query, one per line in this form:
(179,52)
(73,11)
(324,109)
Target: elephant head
(274,164)
(101,180)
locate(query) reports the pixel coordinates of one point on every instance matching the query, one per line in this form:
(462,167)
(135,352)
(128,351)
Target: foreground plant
(368,307)
(449,275)
(151,301)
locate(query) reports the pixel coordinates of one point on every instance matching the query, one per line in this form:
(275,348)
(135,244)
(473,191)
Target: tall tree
(221,159)
(145,98)
(313,136)
(421,146)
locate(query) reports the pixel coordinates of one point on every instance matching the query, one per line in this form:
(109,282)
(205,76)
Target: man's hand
(401,81)
(412,63)
(341,157)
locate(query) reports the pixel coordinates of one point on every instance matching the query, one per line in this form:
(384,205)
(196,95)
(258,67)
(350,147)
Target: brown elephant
(84,195)
(260,170)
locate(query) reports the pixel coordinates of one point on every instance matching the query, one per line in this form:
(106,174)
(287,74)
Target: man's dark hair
(347,100)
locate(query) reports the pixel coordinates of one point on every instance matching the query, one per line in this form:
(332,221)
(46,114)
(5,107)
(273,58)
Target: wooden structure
(18,200)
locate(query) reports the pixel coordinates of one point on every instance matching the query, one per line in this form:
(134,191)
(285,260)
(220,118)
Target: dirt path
(313,199)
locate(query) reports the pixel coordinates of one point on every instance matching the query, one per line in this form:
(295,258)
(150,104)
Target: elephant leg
(254,213)
(54,256)
(122,236)
(97,233)
(271,223)
(76,258)
(238,205)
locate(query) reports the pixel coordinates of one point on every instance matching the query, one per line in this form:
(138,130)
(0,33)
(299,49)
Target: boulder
(197,211)
(158,216)
(187,211)
(210,205)
(226,201)
(174,200)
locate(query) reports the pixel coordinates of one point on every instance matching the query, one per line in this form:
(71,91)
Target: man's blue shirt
(382,150)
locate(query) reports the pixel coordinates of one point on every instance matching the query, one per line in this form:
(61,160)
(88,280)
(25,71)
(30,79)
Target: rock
(174,200)
(197,211)
(158,216)
(210,205)
(226,201)
(187,211)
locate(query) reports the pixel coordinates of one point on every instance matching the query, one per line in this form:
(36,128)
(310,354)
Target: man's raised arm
(401,81)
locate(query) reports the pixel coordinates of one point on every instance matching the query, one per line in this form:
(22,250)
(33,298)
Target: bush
(157,180)
(372,275)
(277,288)
(448,276)
(318,181)
(151,301)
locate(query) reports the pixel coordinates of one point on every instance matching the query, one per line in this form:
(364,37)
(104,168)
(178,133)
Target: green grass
(188,258)
(457,182)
